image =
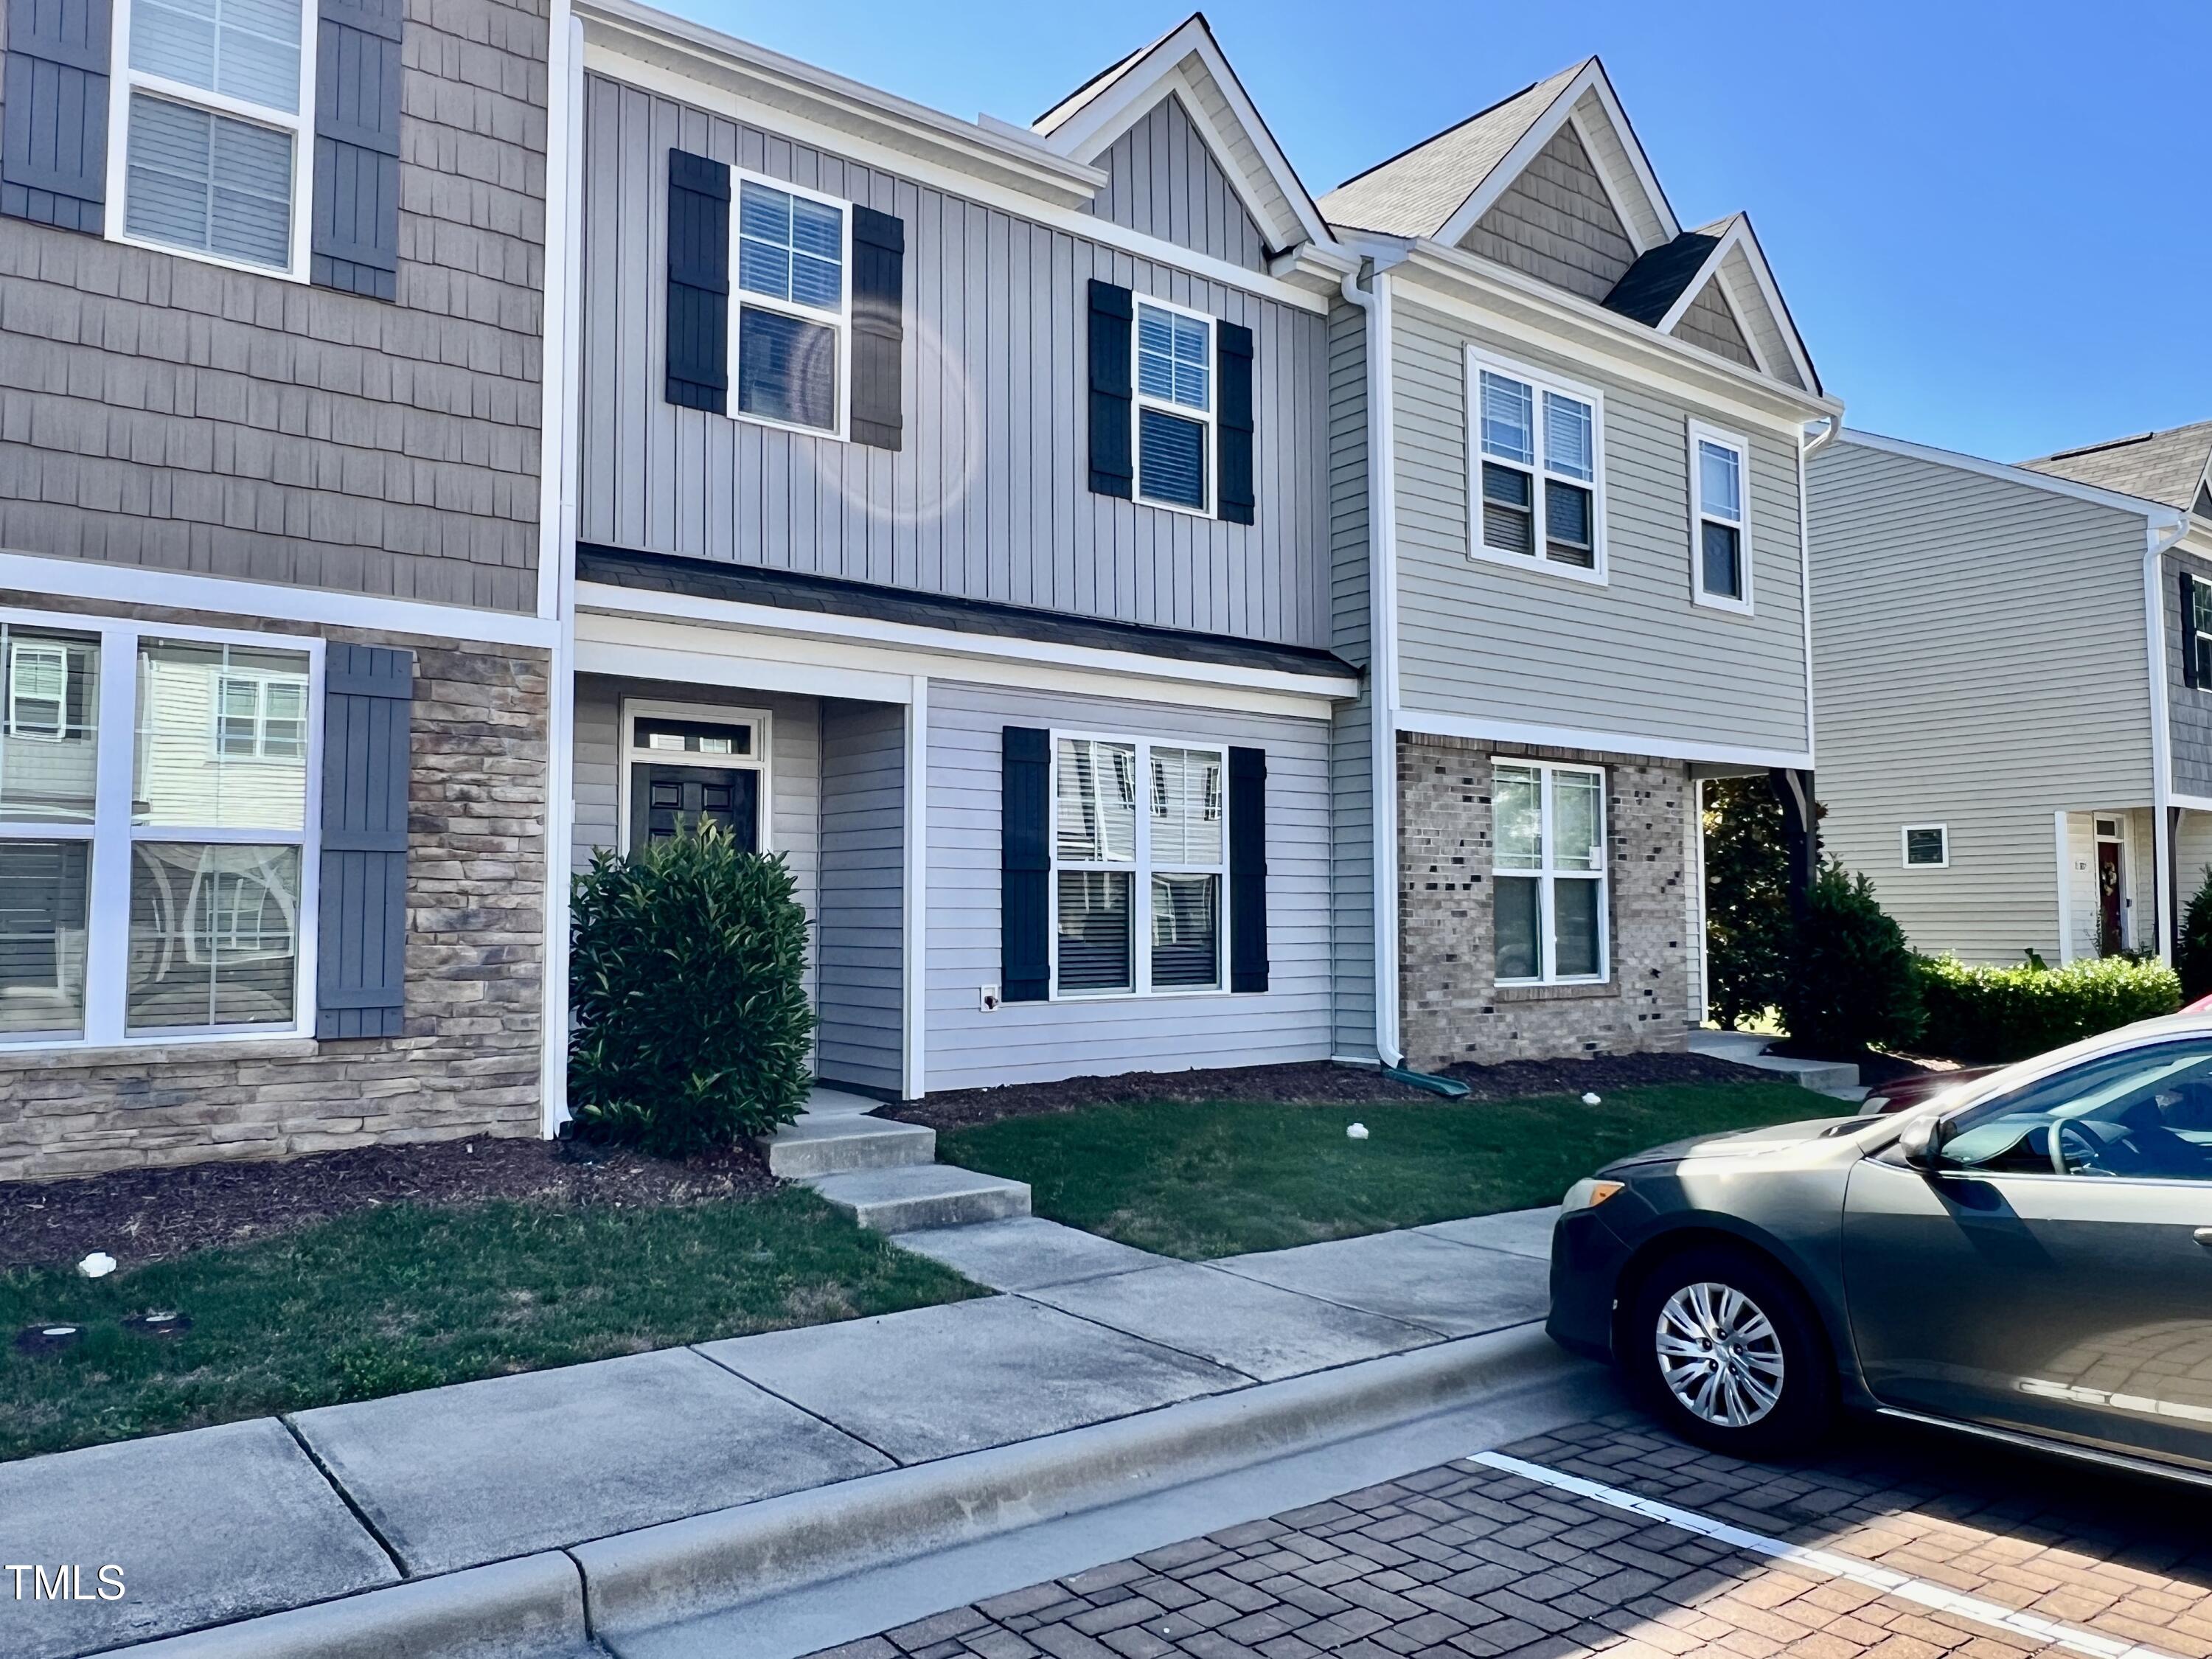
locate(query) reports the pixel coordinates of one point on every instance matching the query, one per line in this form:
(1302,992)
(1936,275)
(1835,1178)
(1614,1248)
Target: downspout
(1382,649)
(2160,535)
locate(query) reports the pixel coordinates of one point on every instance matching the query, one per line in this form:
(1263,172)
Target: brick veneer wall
(1450,1007)
(467,1060)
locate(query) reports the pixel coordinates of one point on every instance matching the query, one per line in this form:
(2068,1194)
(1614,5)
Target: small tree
(687,975)
(2192,954)
(1747,898)
(1850,981)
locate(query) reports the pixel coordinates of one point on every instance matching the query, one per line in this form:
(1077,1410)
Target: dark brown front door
(665,800)
(2112,928)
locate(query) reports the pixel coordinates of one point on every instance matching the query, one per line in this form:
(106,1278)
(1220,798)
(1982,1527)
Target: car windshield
(2144,1112)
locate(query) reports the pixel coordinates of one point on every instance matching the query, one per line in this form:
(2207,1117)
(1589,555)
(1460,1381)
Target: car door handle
(2204,1237)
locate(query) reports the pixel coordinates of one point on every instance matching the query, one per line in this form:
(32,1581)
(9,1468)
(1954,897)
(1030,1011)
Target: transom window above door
(1538,473)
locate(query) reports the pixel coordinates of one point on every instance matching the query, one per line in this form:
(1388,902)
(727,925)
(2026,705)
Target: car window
(2145,1113)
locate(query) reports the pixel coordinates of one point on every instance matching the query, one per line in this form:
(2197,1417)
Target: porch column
(1800,830)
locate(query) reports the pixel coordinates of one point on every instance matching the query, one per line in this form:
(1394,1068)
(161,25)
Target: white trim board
(1435,723)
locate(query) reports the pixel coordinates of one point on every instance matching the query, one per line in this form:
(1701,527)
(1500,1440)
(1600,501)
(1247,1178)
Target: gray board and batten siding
(1162,179)
(861,948)
(989,498)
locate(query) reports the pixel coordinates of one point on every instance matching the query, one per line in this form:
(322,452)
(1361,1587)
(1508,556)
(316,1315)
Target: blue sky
(1993,220)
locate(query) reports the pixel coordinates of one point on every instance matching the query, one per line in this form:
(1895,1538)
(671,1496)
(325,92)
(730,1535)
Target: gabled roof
(1189,62)
(1725,256)
(1650,287)
(2168,467)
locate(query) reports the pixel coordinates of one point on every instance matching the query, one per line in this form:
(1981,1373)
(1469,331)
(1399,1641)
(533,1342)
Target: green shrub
(1993,1014)
(688,979)
(1849,983)
(1747,898)
(2192,952)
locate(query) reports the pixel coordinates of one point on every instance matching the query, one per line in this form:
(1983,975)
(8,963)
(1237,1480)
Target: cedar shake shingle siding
(1556,223)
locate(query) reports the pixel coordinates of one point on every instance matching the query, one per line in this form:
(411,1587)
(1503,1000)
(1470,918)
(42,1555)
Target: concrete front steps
(1835,1078)
(885,1175)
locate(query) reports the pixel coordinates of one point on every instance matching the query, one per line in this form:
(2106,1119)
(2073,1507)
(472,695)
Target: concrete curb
(531,1607)
(687,1570)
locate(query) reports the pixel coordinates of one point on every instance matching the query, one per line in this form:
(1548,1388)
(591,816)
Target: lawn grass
(407,1298)
(1203,1181)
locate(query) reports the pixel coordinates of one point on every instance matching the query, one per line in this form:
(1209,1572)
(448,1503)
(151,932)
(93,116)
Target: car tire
(1745,1368)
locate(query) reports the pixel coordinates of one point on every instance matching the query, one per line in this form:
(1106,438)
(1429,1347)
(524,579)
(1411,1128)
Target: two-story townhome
(1568,438)
(274,653)
(951,516)
(2013,666)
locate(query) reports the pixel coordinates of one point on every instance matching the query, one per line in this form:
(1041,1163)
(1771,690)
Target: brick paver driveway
(1895,1545)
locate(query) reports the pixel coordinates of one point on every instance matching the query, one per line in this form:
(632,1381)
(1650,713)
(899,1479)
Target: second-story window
(1720,518)
(791,305)
(1174,407)
(1539,478)
(211,128)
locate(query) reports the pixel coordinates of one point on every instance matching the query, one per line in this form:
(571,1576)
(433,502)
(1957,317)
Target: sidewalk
(218,1525)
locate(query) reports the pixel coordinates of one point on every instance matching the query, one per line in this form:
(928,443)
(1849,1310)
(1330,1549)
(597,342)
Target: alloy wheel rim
(1719,1355)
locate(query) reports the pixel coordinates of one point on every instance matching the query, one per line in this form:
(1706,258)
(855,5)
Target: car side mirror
(1921,1145)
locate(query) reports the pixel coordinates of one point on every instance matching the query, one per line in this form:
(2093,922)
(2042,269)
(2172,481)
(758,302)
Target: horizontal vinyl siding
(1027,1042)
(861,961)
(989,498)
(1635,658)
(1979,662)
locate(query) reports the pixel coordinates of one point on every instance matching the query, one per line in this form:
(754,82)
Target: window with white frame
(209,140)
(1539,478)
(2196,634)
(1926,846)
(158,889)
(1174,410)
(793,305)
(1720,517)
(1140,855)
(1548,867)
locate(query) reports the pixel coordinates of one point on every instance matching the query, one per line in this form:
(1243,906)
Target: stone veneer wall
(1451,1008)
(467,1063)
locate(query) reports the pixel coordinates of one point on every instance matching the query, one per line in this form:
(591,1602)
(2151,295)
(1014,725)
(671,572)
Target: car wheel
(1729,1353)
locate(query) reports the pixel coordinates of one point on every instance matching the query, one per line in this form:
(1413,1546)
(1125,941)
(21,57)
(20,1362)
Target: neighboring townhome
(1568,439)
(273,682)
(952,519)
(2014,675)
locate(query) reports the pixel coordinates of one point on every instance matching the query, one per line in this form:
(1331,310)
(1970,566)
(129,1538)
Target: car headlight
(1588,1194)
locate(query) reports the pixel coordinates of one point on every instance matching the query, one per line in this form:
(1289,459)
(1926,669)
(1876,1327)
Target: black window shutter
(1248,869)
(698,282)
(354,239)
(54,113)
(1112,469)
(1025,865)
(360,948)
(1232,353)
(2189,675)
(878,327)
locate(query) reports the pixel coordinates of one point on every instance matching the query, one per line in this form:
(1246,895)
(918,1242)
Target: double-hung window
(1538,481)
(154,820)
(1548,867)
(1174,412)
(2197,630)
(793,305)
(1139,851)
(1720,518)
(208,145)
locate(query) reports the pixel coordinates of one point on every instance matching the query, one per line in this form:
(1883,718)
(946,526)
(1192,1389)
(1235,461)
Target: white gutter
(1382,649)
(2166,528)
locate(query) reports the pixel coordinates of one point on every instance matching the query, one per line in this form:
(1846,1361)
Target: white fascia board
(113,584)
(904,648)
(1437,723)
(1479,291)
(2159,515)
(685,82)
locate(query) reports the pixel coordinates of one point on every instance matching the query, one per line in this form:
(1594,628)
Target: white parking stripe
(2055,1632)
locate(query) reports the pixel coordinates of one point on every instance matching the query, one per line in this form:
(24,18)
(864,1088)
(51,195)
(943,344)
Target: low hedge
(1988,1015)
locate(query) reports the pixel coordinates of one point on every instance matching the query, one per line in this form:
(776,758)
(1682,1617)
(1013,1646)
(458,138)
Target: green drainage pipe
(1449,1087)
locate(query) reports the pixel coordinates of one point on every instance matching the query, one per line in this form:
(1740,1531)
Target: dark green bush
(1849,982)
(2192,952)
(1989,1015)
(688,979)
(1747,898)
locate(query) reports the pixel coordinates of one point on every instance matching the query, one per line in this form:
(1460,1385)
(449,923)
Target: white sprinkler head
(97,1265)
(1356,1131)
(1591,1100)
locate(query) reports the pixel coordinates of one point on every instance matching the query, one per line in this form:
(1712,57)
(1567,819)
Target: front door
(2111,899)
(665,800)
(2055,1274)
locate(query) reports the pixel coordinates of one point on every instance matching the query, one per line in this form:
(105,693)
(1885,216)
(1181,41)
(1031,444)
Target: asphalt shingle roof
(2159,466)
(1648,288)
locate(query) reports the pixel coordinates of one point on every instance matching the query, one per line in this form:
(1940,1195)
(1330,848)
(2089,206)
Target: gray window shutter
(354,245)
(878,327)
(362,946)
(1113,313)
(1232,353)
(1025,865)
(53,114)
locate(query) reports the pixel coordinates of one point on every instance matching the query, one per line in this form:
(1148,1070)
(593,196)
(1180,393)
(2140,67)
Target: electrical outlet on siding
(989,999)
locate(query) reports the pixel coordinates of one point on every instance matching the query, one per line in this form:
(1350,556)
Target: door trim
(628,756)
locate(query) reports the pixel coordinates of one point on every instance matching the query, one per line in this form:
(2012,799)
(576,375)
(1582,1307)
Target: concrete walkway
(1091,1338)
(1837,1079)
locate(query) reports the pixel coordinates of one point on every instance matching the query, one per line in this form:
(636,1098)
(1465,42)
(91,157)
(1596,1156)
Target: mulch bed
(149,1215)
(1318,1083)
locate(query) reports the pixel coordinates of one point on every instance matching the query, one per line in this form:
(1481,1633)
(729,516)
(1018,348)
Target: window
(1539,479)
(1549,863)
(2145,1113)
(687,764)
(207,140)
(792,306)
(1720,518)
(1927,847)
(162,892)
(1174,408)
(2198,625)
(1139,851)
